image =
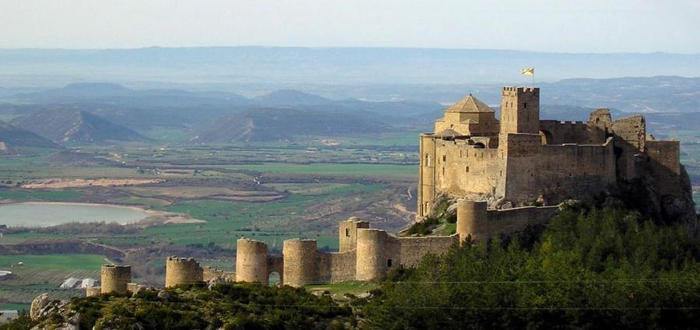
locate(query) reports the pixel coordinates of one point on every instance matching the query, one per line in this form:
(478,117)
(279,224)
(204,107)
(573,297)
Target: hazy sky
(557,25)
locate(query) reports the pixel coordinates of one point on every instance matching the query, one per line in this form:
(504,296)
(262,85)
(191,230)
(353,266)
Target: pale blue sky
(557,25)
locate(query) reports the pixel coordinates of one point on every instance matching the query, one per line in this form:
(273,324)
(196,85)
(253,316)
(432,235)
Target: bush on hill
(225,306)
(588,268)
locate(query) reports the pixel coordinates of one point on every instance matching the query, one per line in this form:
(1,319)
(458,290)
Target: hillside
(272,124)
(115,94)
(12,137)
(72,126)
(290,97)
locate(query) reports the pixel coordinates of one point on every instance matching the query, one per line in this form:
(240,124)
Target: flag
(528,71)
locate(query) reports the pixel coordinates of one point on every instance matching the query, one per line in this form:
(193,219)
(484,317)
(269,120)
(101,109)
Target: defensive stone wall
(559,132)
(182,271)
(413,249)
(114,279)
(458,167)
(664,166)
(475,221)
(336,266)
(376,252)
(571,171)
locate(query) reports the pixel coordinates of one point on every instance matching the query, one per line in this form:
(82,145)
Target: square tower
(520,110)
(347,233)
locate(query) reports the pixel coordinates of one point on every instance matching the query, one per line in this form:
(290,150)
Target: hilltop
(272,124)
(74,126)
(12,137)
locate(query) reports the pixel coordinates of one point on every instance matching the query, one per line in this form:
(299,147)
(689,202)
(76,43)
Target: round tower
(114,279)
(251,261)
(371,258)
(426,175)
(182,271)
(299,265)
(471,219)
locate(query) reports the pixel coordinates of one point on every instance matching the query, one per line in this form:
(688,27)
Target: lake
(37,214)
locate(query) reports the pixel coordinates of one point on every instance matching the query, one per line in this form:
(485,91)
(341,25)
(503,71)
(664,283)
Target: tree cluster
(589,268)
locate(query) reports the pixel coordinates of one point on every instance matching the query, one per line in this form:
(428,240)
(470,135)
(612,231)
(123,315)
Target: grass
(271,222)
(64,262)
(41,195)
(352,170)
(341,289)
(15,307)
(44,273)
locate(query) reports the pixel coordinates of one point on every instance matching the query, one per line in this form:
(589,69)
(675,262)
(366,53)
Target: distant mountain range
(94,113)
(74,126)
(275,67)
(108,112)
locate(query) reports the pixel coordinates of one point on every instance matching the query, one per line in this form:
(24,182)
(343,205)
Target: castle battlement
(375,252)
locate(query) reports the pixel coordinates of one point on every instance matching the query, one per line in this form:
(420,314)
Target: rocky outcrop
(43,307)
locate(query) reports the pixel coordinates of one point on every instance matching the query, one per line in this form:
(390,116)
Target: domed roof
(469,104)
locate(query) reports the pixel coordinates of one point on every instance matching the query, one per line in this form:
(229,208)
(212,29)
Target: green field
(271,221)
(343,288)
(357,170)
(41,195)
(44,273)
(63,262)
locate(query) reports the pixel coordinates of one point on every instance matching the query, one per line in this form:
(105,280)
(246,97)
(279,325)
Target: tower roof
(469,104)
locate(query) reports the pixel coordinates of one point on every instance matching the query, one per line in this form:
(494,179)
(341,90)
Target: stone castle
(505,175)
(522,160)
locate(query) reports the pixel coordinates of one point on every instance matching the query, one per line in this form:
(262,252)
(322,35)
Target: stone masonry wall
(336,266)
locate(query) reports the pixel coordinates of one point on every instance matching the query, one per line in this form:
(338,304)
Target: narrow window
(444,158)
(525,105)
(467,169)
(388,263)
(347,232)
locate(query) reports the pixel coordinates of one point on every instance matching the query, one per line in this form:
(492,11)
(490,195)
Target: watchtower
(300,262)
(347,233)
(520,110)
(181,271)
(251,261)
(114,279)
(471,219)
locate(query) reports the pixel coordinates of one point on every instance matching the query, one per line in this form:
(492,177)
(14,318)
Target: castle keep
(522,160)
